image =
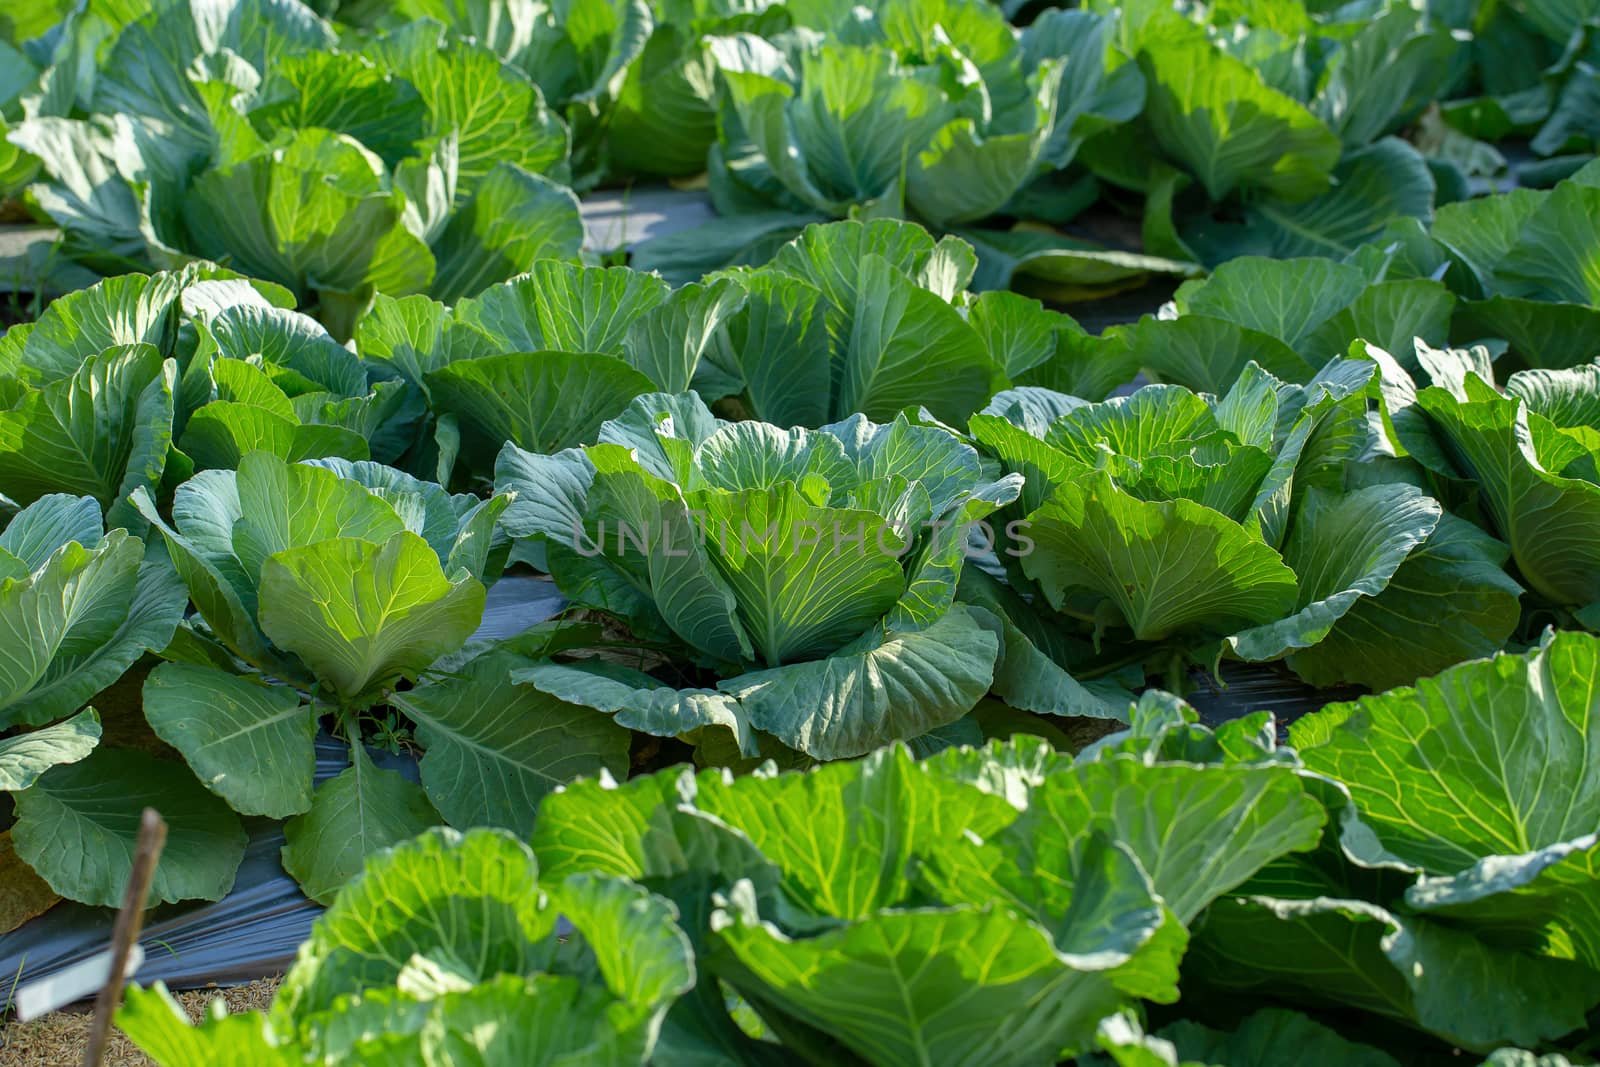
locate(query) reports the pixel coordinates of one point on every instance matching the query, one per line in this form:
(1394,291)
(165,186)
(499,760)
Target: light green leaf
(442,895)
(1341,549)
(779,342)
(639,702)
(24,757)
(1197,831)
(539,401)
(206,508)
(79,622)
(312,215)
(512,220)
(541,1020)
(1212,113)
(1557,254)
(338,91)
(897,985)
(1286,300)
(846,867)
(412,337)
(1543,516)
(1499,756)
(1565,397)
(362,615)
(1142,556)
(796,597)
(1450,601)
(291,505)
(1019,332)
(908,347)
(831,257)
(665,557)
(964,174)
(1383,74)
(560,306)
(293,349)
(34,533)
(550,492)
(133,309)
(1391,315)
(495,112)
(471,905)
(154,1020)
(667,342)
(222,433)
(100,432)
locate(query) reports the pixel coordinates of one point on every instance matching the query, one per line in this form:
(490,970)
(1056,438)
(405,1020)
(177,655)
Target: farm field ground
(753,532)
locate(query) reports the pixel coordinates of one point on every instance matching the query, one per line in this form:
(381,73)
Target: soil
(58,1039)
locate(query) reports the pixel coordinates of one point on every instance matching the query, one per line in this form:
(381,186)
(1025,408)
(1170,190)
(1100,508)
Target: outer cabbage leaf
(103,431)
(77,608)
(1542,515)
(494,749)
(1212,113)
(362,811)
(249,743)
(77,824)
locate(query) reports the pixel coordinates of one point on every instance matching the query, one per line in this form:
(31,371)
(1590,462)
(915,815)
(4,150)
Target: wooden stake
(152,836)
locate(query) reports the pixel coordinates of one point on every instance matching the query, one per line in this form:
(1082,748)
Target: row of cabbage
(427,147)
(848,318)
(841,569)
(1413,880)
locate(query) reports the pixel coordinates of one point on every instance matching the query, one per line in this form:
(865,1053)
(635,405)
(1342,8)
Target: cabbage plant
(810,573)
(863,933)
(635,81)
(847,317)
(1273,135)
(1251,525)
(139,380)
(875,317)
(262,377)
(1289,316)
(411,162)
(453,948)
(79,606)
(683,887)
(1528,448)
(89,393)
(1411,850)
(320,587)
(543,359)
(1466,852)
(1519,260)
(934,110)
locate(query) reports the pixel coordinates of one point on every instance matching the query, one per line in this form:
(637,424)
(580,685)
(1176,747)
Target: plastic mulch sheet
(1249,687)
(254,931)
(614,219)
